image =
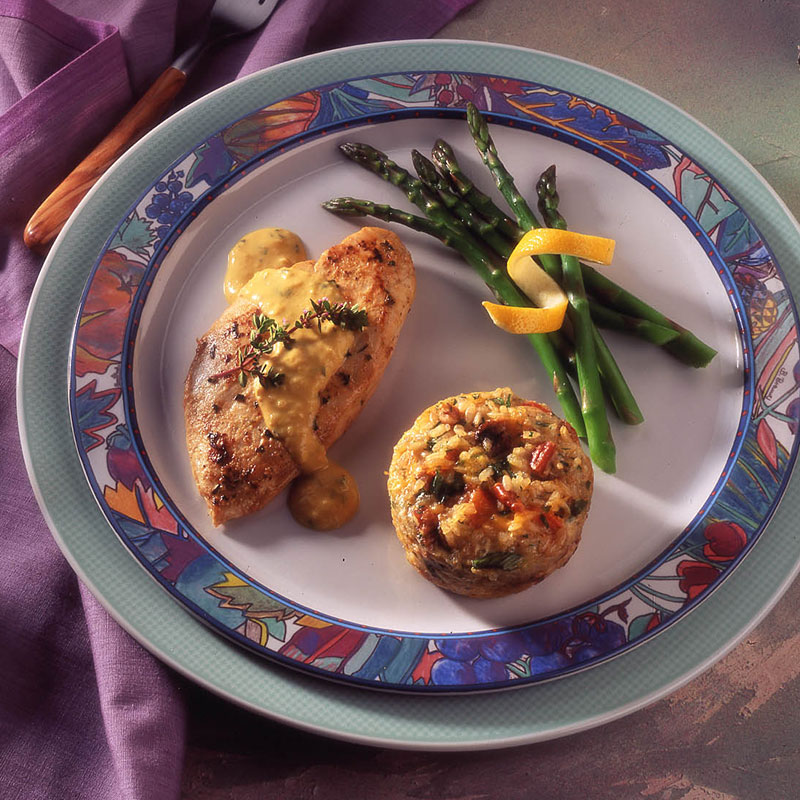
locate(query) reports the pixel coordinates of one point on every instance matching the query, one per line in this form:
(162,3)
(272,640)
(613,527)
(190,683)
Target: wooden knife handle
(51,215)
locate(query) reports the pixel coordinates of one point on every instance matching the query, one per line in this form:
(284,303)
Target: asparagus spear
(467,247)
(615,384)
(479,129)
(470,248)
(619,392)
(606,317)
(416,191)
(479,226)
(375,161)
(448,165)
(496,279)
(423,197)
(686,346)
(598,431)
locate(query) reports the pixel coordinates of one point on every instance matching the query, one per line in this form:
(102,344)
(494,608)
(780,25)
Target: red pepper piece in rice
(508,499)
(541,457)
(484,504)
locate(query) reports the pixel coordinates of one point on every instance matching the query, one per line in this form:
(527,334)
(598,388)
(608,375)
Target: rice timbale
(489,493)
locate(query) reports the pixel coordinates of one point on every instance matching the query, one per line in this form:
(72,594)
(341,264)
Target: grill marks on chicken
(239,465)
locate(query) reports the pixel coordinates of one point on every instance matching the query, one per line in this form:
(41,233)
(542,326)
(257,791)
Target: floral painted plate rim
(724,529)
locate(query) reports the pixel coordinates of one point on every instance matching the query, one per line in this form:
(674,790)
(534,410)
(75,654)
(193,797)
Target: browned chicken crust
(238,469)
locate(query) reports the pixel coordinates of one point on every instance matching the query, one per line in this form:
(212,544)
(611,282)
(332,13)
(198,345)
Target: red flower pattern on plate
(725,541)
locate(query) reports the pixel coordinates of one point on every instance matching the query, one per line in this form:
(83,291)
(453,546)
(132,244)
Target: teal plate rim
(560,707)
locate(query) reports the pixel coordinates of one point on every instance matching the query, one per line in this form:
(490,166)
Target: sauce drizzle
(266,248)
(325,499)
(263,267)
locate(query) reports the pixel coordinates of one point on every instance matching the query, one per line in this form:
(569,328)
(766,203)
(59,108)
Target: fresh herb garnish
(500,468)
(446,485)
(498,560)
(505,400)
(267,334)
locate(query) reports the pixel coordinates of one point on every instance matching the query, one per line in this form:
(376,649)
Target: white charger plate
(722,386)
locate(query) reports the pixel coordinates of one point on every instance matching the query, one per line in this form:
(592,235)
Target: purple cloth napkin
(85,712)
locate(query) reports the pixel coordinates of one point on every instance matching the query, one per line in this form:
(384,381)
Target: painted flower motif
(725,541)
(252,135)
(455,90)
(440,87)
(696,577)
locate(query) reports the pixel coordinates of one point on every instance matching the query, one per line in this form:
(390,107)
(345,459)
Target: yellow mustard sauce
(326,499)
(325,496)
(267,248)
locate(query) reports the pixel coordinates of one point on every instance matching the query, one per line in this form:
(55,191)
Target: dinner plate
(694,486)
(723,235)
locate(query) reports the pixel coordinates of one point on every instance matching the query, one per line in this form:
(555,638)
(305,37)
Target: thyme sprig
(267,334)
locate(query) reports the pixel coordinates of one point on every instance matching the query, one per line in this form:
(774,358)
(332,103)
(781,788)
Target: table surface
(733,732)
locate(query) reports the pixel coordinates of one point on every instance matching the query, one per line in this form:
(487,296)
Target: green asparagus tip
(442,153)
(344,206)
(440,145)
(445,159)
(546,185)
(424,167)
(548,199)
(347,147)
(476,122)
(360,152)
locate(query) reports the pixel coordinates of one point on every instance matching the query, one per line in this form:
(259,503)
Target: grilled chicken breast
(238,465)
